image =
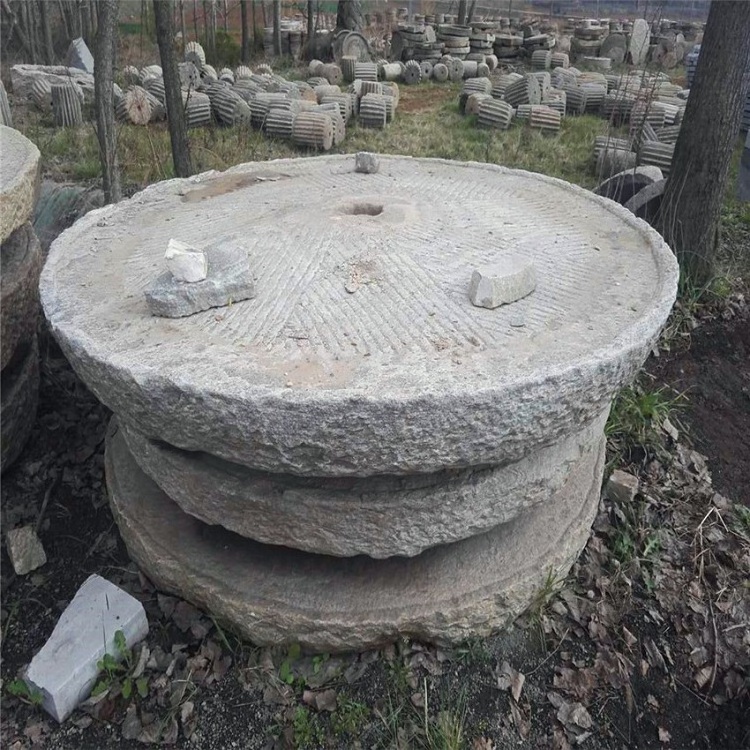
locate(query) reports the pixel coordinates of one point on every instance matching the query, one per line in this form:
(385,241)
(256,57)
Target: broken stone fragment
(186,263)
(507,281)
(65,669)
(228,280)
(366,162)
(621,487)
(25,550)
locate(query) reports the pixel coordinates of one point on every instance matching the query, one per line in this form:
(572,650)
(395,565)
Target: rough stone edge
(17,199)
(487,609)
(360,520)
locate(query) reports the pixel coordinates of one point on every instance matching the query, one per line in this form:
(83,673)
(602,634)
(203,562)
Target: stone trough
(358,452)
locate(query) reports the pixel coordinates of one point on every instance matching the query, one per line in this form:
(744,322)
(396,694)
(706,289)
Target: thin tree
(349,15)
(245,54)
(310,27)
(105,51)
(690,213)
(49,50)
(462,12)
(277,28)
(172,92)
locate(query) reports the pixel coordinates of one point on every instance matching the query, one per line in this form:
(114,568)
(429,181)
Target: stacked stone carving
(20,265)
(327,475)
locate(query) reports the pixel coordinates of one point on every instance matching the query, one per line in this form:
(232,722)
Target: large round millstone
(19,395)
(361,353)
(20,264)
(375,516)
(19,180)
(275,595)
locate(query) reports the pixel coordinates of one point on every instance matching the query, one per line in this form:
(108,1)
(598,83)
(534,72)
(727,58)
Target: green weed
(19,689)
(117,672)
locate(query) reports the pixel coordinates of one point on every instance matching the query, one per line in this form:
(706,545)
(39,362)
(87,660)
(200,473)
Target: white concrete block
(65,669)
(503,283)
(186,263)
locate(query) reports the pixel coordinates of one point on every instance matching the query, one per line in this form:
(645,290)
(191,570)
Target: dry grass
(427,123)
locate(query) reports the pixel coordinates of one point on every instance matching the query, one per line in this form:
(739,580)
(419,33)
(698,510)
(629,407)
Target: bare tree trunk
(471,11)
(245,54)
(183,31)
(462,12)
(172,92)
(49,50)
(690,212)
(92,17)
(277,28)
(105,50)
(195,19)
(310,27)
(85,23)
(349,15)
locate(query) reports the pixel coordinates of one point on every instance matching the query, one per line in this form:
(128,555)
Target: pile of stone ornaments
(397,428)
(20,265)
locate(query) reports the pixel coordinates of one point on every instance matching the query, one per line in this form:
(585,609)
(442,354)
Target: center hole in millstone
(364,209)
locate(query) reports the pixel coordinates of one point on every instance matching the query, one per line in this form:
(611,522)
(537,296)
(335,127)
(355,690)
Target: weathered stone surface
(646,203)
(58,207)
(638,44)
(366,162)
(229,280)
(22,79)
(79,56)
(624,185)
(19,393)
(375,516)
(506,281)
(19,180)
(274,595)
(25,550)
(21,262)
(309,379)
(65,669)
(621,487)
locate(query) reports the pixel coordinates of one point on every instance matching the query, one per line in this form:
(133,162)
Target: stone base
(276,595)
(380,516)
(21,262)
(19,392)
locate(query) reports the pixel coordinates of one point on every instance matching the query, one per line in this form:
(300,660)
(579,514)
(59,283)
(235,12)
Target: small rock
(186,263)
(25,550)
(503,283)
(366,162)
(621,487)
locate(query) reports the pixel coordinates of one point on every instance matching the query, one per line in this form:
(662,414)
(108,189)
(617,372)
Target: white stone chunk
(185,262)
(502,283)
(65,669)
(366,162)
(25,550)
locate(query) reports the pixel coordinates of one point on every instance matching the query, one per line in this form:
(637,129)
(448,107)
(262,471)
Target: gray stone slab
(624,185)
(638,44)
(79,56)
(375,516)
(19,180)
(646,203)
(22,79)
(273,595)
(229,281)
(65,669)
(403,376)
(21,262)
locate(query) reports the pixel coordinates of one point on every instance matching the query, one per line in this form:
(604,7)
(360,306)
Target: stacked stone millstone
(280,123)
(135,106)
(523,91)
(541,59)
(411,73)
(21,263)
(341,491)
(493,113)
(373,111)
(66,106)
(657,155)
(197,109)
(365,71)
(313,130)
